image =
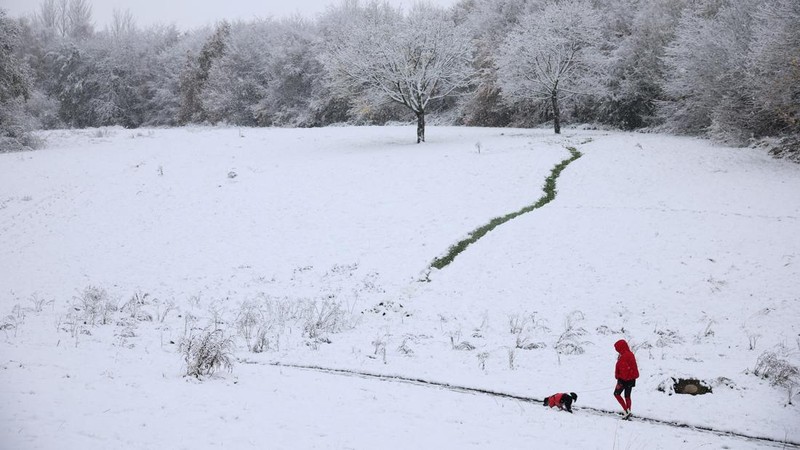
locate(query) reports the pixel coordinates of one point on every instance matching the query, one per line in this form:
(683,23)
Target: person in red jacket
(626,373)
(562,400)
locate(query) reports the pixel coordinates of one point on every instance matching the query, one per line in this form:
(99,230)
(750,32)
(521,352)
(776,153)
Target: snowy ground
(688,250)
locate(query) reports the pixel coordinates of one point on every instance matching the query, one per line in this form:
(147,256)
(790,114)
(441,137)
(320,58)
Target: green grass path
(549,194)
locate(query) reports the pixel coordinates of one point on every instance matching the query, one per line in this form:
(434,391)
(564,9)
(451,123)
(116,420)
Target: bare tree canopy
(67,18)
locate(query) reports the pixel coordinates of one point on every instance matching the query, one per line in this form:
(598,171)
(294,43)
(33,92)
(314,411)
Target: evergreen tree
(196,72)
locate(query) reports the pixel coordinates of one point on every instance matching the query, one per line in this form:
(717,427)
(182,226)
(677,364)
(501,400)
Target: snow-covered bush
(163,308)
(262,341)
(133,307)
(569,342)
(263,321)
(320,318)
(10,322)
(457,344)
(517,323)
(379,343)
(93,304)
(248,323)
(207,352)
(37,302)
(482,357)
(404,348)
(667,337)
(779,371)
(523,342)
(520,325)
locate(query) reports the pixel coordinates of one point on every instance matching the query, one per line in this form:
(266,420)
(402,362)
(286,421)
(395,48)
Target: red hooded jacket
(626,363)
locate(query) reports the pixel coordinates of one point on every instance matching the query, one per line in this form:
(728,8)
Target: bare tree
(46,16)
(66,18)
(79,17)
(377,53)
(122,23)
(546,56)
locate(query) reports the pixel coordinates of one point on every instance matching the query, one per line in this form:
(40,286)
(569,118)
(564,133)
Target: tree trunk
(556,112)
(420,126)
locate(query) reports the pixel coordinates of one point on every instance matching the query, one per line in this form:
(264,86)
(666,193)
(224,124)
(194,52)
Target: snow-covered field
(689,251)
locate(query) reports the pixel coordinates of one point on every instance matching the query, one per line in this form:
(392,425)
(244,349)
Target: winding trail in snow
(548,196)
(473,390)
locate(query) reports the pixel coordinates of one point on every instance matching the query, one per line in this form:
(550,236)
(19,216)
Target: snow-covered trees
(15,87)
(489,21)
(637,35)
(776,66)
(14,82)
(267,75)
(724,68)
(195,75)
(377,53)
(66,18)
(546,56)
(708,63)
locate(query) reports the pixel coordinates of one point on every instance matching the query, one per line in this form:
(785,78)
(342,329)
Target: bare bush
(94,304)
(321,318)
(778,371)
(39,302)
(707,332)
(569,342)
(457,344)
(75,324)
(9,322)
(163,309)
(135,306)
(380,347)
(666,338)
(517,323)
(248,322)
(520,322)
(262,341)
(207,352)
(605,330)
(523,343)
(262,322)
(520,325)
(752,339)
(482,357)
(404,348)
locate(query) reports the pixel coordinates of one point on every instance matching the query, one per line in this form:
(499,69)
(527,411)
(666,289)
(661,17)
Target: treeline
(729,69)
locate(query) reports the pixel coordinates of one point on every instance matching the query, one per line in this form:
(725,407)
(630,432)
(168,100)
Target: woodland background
(726,69)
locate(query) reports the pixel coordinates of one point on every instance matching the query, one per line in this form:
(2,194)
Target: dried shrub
(569,342)
(207,352)
(778,371)
(93,304)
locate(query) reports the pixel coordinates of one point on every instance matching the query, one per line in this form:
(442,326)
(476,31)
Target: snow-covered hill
(313,244)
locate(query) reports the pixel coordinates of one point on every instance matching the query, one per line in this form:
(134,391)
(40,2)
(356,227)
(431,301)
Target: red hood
(621,346)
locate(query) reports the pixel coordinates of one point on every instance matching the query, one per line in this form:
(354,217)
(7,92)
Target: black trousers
(624,385)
